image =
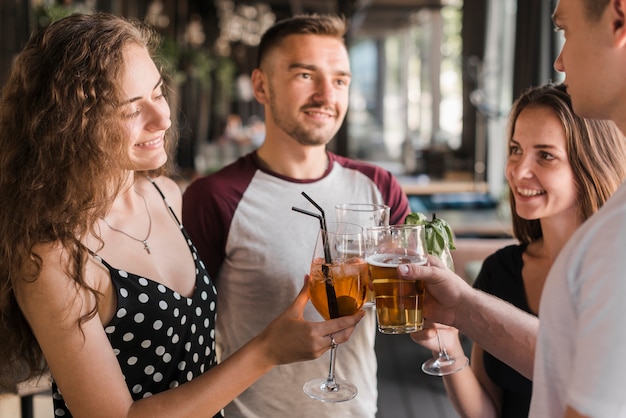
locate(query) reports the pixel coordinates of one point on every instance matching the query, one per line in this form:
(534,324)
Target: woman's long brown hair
(63,158)
(596,150)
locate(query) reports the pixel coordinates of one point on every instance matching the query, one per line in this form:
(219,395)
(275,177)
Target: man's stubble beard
(302,135)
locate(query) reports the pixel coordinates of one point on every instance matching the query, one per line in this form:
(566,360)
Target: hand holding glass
(337,287)
(399,302)
(444,364)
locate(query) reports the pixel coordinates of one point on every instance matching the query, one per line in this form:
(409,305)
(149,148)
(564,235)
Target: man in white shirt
(577,346)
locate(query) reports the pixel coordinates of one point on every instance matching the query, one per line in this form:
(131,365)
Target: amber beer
(399,302)
(349,279)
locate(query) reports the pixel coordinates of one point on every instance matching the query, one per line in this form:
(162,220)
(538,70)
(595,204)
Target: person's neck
(128,197)
(298,162)
(556,235)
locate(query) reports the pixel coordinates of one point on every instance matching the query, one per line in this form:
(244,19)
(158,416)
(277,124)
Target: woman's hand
(427,338)
(290,338)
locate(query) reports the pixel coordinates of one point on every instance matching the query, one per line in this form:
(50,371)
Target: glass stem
(330,381)
(442,350)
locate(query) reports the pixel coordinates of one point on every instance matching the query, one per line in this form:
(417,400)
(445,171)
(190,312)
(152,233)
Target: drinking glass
(366,215)
(399,302)
(337,288)
(443,364)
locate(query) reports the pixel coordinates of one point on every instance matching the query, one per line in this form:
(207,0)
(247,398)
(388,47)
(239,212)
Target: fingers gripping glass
(443,364)
(399,302)
(337,287)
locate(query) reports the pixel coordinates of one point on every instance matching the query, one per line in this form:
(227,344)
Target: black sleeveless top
(161,338)
(501,275)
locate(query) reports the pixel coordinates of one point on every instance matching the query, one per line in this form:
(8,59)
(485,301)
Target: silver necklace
(143,241)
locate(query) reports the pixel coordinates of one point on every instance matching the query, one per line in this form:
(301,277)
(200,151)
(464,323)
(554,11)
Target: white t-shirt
(259,250)
(580,356)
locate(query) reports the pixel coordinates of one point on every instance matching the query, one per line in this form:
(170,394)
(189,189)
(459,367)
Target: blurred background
(433,79)
(433,82)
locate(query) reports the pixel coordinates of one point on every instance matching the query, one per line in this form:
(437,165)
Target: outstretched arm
(87,371)
(287,339)
(500,328)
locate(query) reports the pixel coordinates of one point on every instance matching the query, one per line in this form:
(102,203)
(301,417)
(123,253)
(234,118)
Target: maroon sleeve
(397,200)
(209,204)
(387,184)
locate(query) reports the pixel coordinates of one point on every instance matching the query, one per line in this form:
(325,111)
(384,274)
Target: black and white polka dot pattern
(161,338)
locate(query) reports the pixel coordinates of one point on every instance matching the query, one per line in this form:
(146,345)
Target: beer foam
(394,260)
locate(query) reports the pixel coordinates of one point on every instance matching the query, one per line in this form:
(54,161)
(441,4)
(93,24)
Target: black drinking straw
(333,309)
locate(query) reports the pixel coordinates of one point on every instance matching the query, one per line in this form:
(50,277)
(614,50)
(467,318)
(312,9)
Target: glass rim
(358,229)
(362,207)
(397,227)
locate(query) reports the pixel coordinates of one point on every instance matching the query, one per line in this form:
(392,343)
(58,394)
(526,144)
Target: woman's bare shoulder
(168,186)
(54,261)
(52,289)
(170,189)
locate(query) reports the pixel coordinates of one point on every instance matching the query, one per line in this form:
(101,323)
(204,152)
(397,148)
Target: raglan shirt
(259,249)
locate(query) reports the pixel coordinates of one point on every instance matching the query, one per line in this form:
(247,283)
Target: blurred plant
(50,10)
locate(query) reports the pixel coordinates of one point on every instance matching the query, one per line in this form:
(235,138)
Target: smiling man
(257,248)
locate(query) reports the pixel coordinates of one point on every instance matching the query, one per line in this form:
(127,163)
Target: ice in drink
(349,281)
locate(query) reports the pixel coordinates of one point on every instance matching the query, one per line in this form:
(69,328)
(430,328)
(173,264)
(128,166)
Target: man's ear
(617,13)
(259,86)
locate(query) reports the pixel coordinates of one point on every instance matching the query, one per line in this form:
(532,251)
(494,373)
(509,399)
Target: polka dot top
(161,338)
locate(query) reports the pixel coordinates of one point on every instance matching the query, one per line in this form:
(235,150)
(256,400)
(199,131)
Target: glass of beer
(399,302)
(366,215)
(337,287)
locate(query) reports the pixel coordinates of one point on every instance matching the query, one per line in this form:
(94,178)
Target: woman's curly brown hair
(63,157)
